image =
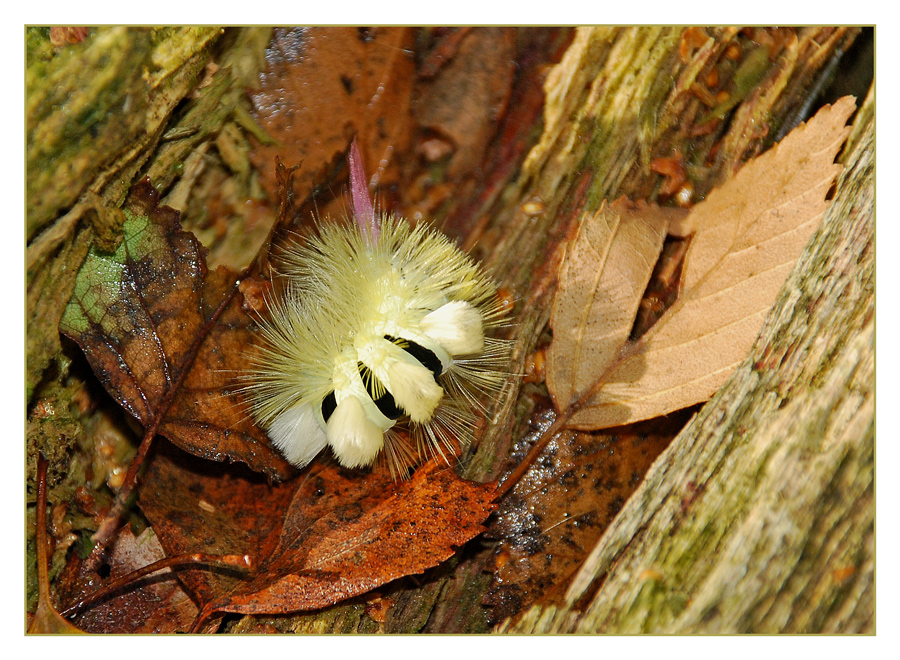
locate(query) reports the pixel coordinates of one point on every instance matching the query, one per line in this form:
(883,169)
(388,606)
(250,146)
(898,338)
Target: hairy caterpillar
(381,326)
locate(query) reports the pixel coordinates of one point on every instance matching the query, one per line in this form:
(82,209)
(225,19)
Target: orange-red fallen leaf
(328,535)
(394,529)
(748,235)
(145,318)
(194,506)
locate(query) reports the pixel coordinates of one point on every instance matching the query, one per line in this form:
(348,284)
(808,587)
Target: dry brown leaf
(605,271)
(749,233)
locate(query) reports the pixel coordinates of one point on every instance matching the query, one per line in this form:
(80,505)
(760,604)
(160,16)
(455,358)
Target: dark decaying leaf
(155,604)
(343,533)
(560,508)
(144,317)
(321,87)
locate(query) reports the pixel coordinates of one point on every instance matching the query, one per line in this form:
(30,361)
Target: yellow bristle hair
(379,323)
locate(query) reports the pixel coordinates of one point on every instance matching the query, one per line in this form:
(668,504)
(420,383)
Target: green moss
(38,49)
(751,72)
(82,106)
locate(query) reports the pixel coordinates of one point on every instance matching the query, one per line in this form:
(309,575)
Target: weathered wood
(759,518)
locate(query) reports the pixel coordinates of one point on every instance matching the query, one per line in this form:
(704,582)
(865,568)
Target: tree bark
(759,518)
(783,541)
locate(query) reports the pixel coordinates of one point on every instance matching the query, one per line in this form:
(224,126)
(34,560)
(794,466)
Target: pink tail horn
(359,192)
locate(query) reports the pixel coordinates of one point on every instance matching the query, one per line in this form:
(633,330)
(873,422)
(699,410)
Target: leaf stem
(41,529)
(560,423)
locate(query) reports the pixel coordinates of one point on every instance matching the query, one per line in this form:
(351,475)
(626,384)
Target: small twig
(41,528)
(46,619)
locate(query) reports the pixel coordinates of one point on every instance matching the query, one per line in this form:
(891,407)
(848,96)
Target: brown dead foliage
(328,535)
(745,238)
(168,339)
(322,87)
